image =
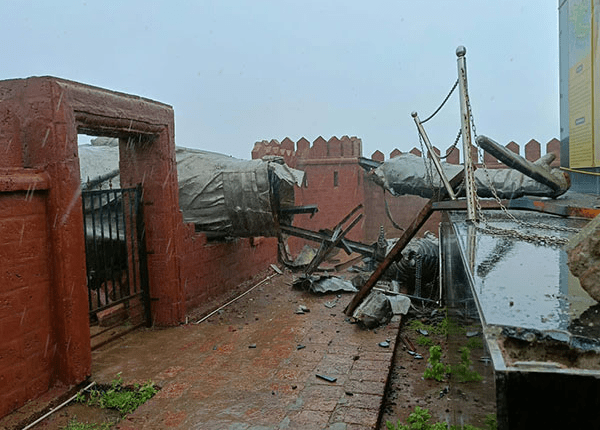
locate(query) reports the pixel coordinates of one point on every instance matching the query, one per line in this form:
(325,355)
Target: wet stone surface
(243,368)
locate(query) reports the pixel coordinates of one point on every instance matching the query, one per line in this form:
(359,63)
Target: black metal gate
(117,274)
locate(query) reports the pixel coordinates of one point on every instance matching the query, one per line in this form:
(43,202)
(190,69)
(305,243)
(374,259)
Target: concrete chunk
(583,252)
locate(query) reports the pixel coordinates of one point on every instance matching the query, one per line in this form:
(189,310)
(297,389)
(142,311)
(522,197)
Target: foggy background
(237,72)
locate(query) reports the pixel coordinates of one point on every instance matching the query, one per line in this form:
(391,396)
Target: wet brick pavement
(254,366)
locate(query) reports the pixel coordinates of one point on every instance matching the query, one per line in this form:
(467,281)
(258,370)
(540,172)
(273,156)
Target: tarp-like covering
(218,193)
(410,174)
(238,197)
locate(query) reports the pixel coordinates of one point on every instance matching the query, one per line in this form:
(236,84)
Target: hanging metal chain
(485,226)
(443,103)
(427,165)
(423,154)
(453,146)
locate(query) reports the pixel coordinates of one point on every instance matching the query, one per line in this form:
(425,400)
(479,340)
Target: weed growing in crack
(438,369)
(425,341)
(118,397)
(463,370)
(475,343)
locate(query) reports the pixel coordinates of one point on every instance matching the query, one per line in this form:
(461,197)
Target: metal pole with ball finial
(465,120)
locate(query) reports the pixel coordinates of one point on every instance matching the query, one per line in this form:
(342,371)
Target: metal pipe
(465,120)
(66,402)
(239,297)
(434,158)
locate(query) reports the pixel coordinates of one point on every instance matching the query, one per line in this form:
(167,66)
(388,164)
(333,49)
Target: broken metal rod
(63,404)
(408,234)
(336,238)
(307,209)
(277,272)
(302,233)
(347,217)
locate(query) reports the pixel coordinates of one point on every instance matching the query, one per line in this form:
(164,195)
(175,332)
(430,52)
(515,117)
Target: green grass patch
(119,397)
(419,325)
(420,420)
(425,341)
(438,370)
(463,370)
(475,343)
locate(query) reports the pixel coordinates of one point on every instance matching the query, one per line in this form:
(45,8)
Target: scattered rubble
(301,310)
(323,284)
(400,304)
(583,251)
(326,378)
(305,256)
(374,311)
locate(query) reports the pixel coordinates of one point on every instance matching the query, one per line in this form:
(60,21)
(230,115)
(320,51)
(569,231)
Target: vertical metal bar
(471,246)
(434,157)
(465,119)
(122,236)
(112,255)
(122,258)
(95,256)
(104,248)
(126,240)
(84,197)
(441,258)
(131,228)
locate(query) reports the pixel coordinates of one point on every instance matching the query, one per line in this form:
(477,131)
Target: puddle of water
(522,284)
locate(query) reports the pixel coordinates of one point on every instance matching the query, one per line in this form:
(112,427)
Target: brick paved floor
(253,366)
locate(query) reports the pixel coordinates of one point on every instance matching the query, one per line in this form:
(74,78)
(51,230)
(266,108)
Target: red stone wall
(43,266)
(325,163)
(323,158)
(44,322)
(210,271)
(44,326)
(27,348)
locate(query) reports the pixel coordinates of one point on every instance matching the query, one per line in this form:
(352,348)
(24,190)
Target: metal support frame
(465,120)
(395,252)
(434,157)
(320,236)
(336,240)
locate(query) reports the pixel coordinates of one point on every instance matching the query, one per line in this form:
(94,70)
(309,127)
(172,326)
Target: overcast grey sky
(241,71)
